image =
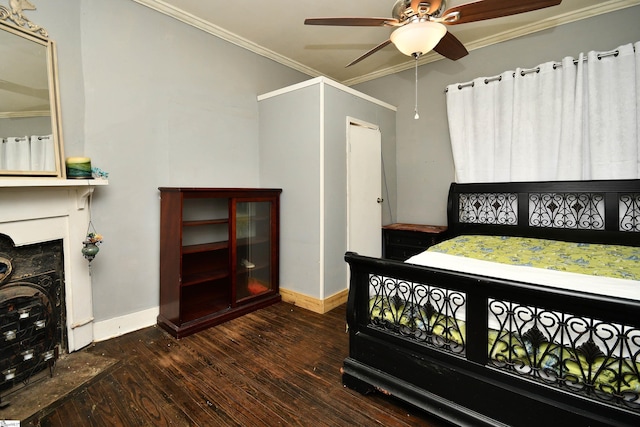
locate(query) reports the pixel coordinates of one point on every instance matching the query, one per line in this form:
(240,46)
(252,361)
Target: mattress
(611,270)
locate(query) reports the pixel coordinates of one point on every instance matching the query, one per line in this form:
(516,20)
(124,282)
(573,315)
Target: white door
(364,192)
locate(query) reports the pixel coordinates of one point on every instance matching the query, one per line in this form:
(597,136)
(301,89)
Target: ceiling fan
(421,25)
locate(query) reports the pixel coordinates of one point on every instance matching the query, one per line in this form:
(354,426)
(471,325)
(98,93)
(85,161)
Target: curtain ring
(533,70)
(604,55)
(493,79)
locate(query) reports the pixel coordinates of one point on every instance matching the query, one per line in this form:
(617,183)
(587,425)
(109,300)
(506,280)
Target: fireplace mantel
(43,209)
(50,182)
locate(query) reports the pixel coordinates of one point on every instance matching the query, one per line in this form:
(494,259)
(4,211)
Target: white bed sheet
(599,285)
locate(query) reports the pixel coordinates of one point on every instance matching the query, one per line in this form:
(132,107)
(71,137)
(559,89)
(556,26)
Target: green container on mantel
(78,168)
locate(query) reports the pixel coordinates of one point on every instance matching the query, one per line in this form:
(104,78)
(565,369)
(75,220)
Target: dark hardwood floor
(277,366)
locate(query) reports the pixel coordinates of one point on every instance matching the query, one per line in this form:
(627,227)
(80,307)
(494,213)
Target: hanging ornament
(90,250)
(90,245)
(91,242)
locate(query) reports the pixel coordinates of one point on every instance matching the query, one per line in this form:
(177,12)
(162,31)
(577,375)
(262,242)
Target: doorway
(364,188)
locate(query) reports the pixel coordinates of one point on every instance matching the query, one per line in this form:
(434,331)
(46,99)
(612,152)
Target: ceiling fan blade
(489,9)
(369,53)
(450,47)
(353,22)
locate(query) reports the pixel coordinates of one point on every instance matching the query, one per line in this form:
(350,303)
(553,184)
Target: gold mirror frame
(27,103)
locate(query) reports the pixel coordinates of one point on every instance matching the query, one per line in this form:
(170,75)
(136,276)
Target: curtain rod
(537,69)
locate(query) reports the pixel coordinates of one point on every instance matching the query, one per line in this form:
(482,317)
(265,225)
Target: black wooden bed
(448,367)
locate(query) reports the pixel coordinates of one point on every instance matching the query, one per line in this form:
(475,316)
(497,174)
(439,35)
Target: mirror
(30,132)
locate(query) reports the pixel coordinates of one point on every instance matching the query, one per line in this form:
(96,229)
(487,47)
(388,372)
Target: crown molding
(326,81)
(180,15)
(208,27)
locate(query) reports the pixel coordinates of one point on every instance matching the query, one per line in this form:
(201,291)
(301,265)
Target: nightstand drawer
(401,253)
(402,241)
(411,238)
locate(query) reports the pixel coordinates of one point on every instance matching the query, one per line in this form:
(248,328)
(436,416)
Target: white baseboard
(117,326)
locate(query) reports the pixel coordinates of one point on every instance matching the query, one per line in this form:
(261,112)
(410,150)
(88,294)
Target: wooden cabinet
(402,241)
(218,255)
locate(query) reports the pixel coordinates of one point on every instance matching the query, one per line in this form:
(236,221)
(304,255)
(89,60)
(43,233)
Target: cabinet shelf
(258,267)
(205,247)
(197,223)
(205,276)
(203,300)
(248,241)
(255,218)
(202,279)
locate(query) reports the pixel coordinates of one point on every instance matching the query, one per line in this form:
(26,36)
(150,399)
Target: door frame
(352,121)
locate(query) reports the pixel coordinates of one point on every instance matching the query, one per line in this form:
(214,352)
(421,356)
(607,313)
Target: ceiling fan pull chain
(417,116)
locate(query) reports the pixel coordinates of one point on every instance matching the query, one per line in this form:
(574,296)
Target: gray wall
(155,103)
(290,159)
(424,159)
(290,138)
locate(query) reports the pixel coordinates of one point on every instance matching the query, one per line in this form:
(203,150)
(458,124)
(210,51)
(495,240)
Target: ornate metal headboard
(582,211)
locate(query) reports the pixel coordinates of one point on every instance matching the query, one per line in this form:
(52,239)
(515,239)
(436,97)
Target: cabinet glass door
(253,242)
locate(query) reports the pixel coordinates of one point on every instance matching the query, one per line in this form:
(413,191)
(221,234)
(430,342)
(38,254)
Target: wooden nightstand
(401,241)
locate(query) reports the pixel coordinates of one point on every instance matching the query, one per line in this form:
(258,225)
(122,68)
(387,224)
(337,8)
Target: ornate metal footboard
(591,357)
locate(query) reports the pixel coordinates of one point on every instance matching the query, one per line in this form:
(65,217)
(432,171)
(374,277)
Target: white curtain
(613,113)
(22,153)
(491,110)
(42,153)
(572,120)
(16,153)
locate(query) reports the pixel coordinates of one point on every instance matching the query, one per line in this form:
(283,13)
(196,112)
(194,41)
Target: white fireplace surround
(34,210)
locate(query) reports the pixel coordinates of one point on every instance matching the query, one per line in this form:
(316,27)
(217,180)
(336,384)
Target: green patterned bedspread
(622,262)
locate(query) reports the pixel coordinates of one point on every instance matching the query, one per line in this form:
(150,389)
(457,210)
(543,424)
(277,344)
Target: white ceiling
(275,29)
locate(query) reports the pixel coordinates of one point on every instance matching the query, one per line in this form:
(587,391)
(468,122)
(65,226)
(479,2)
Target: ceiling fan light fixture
(418,37)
